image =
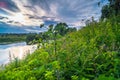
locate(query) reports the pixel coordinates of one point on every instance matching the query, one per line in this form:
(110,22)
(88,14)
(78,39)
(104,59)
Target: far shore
(4,43)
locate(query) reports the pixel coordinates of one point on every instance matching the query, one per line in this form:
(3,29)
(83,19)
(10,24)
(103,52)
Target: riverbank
(5,43)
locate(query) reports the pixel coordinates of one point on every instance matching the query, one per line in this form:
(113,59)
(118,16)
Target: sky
(24,16)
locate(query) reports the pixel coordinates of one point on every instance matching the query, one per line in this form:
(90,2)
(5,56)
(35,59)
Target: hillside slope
(91,53)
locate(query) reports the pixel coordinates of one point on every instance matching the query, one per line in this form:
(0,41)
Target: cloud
(1,17)
(32,13)
(8,4)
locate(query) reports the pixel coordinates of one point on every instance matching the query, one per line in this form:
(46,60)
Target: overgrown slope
(92,53)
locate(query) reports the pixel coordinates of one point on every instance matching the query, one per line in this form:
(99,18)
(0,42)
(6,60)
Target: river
(15,50)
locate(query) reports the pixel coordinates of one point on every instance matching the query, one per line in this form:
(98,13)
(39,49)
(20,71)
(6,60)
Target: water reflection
(18,50)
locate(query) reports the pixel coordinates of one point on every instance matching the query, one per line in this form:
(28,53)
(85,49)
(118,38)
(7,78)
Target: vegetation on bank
(92,53)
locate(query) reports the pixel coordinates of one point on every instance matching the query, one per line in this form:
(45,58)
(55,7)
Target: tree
(106,12)
(61,28)
(30,37)
(111,9)
(51,28)
(41,25)
(71,29)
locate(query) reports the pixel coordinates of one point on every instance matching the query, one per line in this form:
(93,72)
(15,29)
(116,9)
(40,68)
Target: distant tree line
(11,37)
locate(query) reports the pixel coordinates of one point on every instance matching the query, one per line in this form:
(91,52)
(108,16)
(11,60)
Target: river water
(15,50)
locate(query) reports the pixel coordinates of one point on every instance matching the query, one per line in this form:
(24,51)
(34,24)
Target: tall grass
(92,53)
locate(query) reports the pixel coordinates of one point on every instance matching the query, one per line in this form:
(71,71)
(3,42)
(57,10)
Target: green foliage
(63,29)
(31,38)
(111,9)
(92,53)
(58,31)
(49,75)
(74,77)
(103,77)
